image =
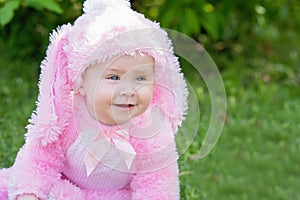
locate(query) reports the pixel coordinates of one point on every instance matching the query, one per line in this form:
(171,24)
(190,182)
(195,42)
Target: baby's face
(116,92)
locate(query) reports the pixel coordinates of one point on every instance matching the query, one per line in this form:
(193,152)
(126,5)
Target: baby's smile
(124,106)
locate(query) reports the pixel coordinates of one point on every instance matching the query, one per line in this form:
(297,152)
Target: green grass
(18,92)
(257,156)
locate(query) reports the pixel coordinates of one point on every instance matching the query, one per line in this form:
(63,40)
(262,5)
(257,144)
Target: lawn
(256,157)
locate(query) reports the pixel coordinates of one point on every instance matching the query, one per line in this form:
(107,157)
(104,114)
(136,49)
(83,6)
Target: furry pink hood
(107,28)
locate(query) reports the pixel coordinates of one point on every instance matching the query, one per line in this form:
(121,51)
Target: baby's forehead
(128,62)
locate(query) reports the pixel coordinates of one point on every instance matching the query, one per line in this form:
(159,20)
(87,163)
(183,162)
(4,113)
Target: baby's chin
(120,121)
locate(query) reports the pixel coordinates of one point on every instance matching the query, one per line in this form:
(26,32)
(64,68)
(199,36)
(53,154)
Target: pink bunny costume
(63,156)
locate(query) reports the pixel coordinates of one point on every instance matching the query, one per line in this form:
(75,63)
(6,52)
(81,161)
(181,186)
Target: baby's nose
(127,88)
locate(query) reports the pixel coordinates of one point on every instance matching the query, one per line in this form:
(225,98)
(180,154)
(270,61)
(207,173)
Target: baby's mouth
(125,106)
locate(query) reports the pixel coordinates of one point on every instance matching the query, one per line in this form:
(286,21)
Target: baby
(111,98)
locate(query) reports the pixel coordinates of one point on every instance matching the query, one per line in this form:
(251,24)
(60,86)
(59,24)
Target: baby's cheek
(149,93)
(145,97)
(105,92)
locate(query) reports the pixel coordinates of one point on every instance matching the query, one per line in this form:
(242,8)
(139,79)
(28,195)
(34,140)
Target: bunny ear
(94,5)
(53,111)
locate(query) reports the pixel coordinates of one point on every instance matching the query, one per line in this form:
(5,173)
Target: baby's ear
(82,91)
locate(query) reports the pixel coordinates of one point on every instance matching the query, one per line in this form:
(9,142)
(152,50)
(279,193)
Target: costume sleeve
(37,171)
(157,176)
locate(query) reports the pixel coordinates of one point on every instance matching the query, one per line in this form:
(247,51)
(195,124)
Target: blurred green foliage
(8,8)
(26,35)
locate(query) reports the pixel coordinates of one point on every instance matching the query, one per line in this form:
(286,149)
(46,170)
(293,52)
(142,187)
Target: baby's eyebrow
(143,71)
(119,70)
(115,70)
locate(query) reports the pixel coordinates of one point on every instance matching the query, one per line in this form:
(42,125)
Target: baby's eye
(140,78)
(114,77)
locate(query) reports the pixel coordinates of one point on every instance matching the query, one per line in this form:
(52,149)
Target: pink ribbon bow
(101,144)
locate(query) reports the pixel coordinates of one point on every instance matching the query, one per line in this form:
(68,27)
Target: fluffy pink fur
(4,175)
(38,165)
